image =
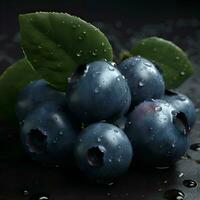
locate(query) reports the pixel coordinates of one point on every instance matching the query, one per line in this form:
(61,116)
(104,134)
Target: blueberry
(158,133)
(144,79)
(48,135)
(103,152)
(98,91)
(182,103)
(34,94)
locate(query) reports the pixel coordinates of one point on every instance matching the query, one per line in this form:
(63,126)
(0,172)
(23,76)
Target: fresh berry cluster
(110,116)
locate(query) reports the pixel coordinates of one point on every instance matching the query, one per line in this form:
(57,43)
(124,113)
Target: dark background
(124,23)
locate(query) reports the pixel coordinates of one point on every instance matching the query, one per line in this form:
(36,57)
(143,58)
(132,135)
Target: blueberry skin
(144,79)
(103,152)
(183,104)
(98,92)
(158,133)
(35,93)
(48,135)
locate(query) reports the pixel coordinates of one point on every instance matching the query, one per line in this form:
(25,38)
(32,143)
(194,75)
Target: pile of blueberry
(110,116)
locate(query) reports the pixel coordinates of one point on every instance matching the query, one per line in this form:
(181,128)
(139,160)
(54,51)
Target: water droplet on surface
(180,175)
(98,139)
(61,133)
(63,22)
(141,84)
(102,44)
(111,183)
(80,38)
(148,64)
(158,108)
(26,192)
(94,53)
(79,53)
(84,33)
(104,50)
(43,198)
(111,68)
(39,47)
(190,183)
(174,194)
(182,73)
(123,77)
(119,159)
(177,57)
(118,78)
(195,147)
(96,90)
(109,160)
(68,79)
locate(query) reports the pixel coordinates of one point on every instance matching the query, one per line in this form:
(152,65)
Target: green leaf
(13,79)
(171,59)
(56,43)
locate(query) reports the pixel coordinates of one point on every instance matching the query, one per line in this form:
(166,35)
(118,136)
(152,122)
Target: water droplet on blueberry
(111,68)
(158,108)
(96,90)
(141,84)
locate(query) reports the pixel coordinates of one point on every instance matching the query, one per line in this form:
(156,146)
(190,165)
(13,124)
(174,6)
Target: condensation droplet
(182,73)
(94,53)
(26,192)
(96,90)
(118,78)
(158,108)
(61,133)
(141,84)
(148,64)
(182,98)
(180,175)
(43,198)
(111,68)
